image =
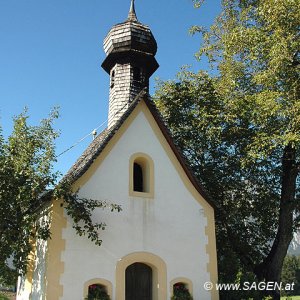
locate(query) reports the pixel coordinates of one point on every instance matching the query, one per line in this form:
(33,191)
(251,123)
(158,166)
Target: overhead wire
(92,132)
(82,139)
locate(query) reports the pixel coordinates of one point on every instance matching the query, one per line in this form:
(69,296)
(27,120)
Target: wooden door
(138,282)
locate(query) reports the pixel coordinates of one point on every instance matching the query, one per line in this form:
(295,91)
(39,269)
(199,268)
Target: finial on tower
(132,14)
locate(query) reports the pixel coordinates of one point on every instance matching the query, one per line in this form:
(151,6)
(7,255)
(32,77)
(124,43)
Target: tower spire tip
(132,15)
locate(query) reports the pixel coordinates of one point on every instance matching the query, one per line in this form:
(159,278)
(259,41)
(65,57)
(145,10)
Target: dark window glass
(136,74)
(137,178)
(112,79)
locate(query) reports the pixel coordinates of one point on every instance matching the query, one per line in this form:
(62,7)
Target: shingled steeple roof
(130,39)
(133,43)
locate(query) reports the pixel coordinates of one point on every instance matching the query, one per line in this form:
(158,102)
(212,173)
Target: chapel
(164,237)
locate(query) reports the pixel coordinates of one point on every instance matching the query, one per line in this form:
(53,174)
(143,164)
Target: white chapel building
(165,233)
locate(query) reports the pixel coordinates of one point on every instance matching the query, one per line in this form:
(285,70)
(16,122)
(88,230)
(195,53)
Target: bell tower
(130,61)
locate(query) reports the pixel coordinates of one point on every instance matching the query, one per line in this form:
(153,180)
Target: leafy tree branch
(28,185)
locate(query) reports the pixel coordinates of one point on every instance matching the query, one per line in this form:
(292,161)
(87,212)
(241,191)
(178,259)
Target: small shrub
(97,292)
(3,297)
(180,292)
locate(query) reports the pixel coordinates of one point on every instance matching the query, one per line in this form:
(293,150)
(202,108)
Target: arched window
(97,291)
(97,288)
(112,79)
(141,174)
(181,288)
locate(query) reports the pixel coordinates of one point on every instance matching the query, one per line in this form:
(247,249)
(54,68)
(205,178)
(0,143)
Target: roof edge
(100,142)
(180,157)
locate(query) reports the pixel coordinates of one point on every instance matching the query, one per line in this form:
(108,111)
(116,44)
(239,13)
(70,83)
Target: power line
(94,131)
(79,141)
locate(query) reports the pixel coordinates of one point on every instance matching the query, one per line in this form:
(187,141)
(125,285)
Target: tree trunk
(270,269)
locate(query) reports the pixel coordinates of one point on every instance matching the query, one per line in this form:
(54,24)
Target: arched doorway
(138,282)
(159,274)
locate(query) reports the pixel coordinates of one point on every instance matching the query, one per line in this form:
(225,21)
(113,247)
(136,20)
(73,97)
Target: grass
(290,298)
(7,295)
(3,297)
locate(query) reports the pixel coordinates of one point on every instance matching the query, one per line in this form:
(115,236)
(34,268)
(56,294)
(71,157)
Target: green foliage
(255,47)
(216,147)
(239,130)
(3,297)
(198,3)
(81,209)
(291,274)
(26,160)
(249,281)
(180,292)
(28,184)
(97,292)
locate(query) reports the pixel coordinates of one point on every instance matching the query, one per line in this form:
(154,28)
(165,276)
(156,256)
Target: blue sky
(51,53)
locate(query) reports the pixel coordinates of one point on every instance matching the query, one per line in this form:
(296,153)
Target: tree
(27,185)
(256,47)
(240,129)
(215,148)
(291,274)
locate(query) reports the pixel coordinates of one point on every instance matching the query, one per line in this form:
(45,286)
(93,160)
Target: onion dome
(130,42)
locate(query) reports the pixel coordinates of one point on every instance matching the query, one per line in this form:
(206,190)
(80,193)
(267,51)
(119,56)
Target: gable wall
(172,225)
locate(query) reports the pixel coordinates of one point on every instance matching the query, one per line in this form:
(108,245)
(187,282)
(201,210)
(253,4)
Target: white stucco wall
(171,226)
(32,287)
(38,284)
